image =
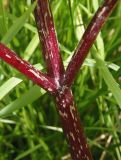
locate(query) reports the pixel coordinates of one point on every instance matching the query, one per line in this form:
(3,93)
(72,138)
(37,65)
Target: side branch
(87,41)
(27,69)
(46,30)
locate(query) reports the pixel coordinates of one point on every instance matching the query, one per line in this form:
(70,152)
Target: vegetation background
(30,128)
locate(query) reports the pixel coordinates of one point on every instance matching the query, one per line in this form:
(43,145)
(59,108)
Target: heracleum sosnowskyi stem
(47,35)
(64,101)
(64,98)
(87,41)
(61,91)
(27,69)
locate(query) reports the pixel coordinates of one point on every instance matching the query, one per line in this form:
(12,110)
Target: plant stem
(27,69)
(69,115)
(87,41)
(46,30)
(72,127)
(64,99)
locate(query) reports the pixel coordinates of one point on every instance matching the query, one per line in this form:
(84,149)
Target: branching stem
(58,82)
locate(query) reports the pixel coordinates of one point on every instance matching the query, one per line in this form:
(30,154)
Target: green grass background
(30,128)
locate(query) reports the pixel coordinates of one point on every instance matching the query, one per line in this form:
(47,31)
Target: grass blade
(17,25)
(27,98)
(31,47)
(109,80)
(8,86)
(26,153)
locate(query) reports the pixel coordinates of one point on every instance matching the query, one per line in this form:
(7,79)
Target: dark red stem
(46,30)
(27,69)
(87,41)
(72,127)
(64,98)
